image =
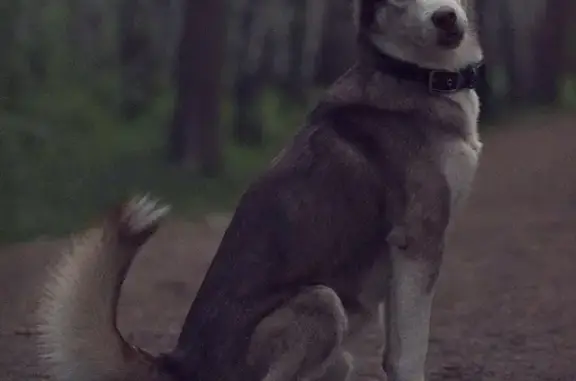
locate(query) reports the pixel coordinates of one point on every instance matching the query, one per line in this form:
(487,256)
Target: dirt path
(505,308)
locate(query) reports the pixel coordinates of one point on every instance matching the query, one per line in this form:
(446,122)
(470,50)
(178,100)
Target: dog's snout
(445,19)
(450,30)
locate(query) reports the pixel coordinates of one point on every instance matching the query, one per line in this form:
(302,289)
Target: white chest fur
(459,157)
(459,161)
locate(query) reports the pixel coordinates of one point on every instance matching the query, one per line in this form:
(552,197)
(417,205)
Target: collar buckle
(445,82)
(474,75)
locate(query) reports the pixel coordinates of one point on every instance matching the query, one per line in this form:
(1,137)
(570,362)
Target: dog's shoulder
(345,165)
(384,137)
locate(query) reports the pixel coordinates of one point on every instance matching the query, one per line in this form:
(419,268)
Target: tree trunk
(517,88)
(194,138)
(292,81)
(316,12)
(247,126)
(484,87)
(551,47)
(136,63)
(338,46)
(255,22)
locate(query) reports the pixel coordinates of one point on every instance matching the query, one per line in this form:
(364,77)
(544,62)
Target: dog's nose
(445,19)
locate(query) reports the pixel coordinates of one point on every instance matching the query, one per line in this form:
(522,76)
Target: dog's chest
(459,156)
(458,163)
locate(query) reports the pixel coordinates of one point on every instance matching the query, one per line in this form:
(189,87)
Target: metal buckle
(453,81)
(474,76)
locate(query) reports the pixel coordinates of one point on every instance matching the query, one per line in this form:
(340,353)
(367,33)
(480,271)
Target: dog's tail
(78,336)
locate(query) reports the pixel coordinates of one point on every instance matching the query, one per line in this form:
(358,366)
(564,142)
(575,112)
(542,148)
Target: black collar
(436,81)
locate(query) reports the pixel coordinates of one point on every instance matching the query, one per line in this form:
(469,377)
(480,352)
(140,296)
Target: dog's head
(435,32)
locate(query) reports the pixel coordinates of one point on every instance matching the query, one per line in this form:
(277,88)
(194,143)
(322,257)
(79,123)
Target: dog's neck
(434,79)
(468,53)
(364,83)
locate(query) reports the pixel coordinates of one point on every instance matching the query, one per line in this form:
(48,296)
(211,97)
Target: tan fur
(78,337)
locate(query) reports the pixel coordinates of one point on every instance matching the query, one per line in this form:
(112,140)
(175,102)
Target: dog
(357,206)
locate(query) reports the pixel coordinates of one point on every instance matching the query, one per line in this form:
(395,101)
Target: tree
(275,42)
(484,88)
(551,49)
(254,23)
(517,43)
(136,59)
(338,47)
(194,138)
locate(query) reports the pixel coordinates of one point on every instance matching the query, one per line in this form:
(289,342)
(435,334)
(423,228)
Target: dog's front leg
(408,307)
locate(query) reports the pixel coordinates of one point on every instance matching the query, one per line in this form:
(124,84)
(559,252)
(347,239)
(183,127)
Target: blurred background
(190,99)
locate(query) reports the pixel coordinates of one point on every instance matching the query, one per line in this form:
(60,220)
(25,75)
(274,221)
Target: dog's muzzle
(450,31)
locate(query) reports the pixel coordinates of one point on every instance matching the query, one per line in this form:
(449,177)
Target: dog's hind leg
(302,339)
(407,318)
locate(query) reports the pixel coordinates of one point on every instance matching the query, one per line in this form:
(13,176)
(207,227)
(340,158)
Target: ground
(505,308)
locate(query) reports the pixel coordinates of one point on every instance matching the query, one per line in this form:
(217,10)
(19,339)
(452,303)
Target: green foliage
(70,157)
(65,151)
(569,92)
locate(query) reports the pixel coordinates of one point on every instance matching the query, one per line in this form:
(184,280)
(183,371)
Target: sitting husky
(348,221)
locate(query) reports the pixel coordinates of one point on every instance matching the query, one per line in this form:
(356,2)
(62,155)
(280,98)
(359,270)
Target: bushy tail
(78,336)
